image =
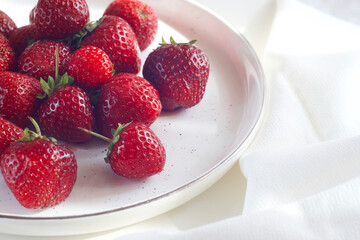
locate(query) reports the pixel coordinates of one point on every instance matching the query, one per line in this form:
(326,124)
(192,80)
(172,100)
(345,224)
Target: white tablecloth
(300,179)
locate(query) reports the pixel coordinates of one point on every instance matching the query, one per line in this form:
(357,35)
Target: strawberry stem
(172,41)
(37,128)
(31,135)
(96,134)
(114,132)
(52,84)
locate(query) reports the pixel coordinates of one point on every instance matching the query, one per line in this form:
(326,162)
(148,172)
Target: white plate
(202,142)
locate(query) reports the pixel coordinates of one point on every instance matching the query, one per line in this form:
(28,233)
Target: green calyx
(172,41)
(78,37)
(112,142)
(31,135)
(116,136)
(54,84)
(142,13)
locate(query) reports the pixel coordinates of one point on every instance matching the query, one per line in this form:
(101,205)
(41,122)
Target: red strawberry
(32,15)
(38,60)
(66,109)
(115,36)
(39,173)
(125,98)
(90,67)
(57,19)
(179,72)
(21,37)
(141,17)
(7,55)
(18,97)
(64,112)
(6,24)
(9,133)
(135,151)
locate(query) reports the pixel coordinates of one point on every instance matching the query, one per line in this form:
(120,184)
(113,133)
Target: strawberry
(7,55)
(124,98)
(18,97)
(32,15)
(90,67)
(39,173)
(64,111)
(22,37)
(9,133)
(38,60)
(56,19)
(6,24)
(135,151)
(179,72)
(141,17)
(115,37)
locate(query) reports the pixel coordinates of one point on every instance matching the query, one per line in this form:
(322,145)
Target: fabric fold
(283,175)
(306,144)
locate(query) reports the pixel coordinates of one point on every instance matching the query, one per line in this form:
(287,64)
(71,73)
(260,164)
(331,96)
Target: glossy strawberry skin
(90,67)
(141,17)
(179,73)
(38,59)
(115,37)
(56,19)
(20,38)
(138,153)
(125,98)
(64,112)
(32,15)
(9,133)
(39,173)
(18,97)
(7,55)
(6,24)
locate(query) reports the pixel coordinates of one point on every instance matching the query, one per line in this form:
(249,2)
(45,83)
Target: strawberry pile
(74,79)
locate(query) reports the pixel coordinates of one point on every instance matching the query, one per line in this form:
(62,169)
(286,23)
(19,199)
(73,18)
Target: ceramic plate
(202,142)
